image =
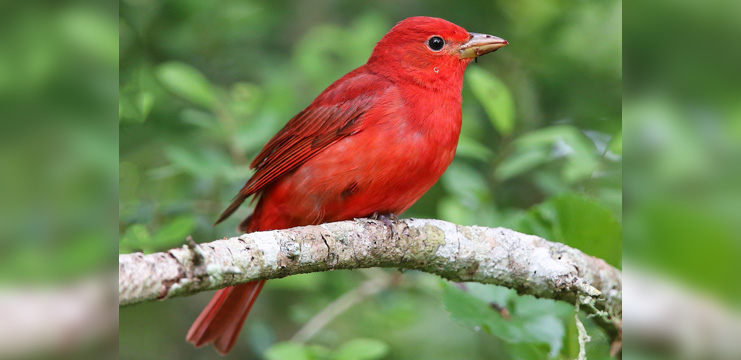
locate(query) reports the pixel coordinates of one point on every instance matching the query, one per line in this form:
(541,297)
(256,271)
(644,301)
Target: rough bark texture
(527,263)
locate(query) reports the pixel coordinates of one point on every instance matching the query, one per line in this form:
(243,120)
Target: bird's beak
(480,44)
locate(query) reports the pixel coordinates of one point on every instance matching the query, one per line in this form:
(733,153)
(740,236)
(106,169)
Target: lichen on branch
(500,256)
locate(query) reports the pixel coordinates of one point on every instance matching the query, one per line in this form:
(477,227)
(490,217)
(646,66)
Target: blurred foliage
(356,349)
(58,176)
(683,128)
(203,85)
(682,132)
(58,150)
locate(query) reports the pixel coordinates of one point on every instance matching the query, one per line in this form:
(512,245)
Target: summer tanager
(372,143)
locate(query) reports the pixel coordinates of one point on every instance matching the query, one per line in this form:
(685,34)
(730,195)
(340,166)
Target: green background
(203,85)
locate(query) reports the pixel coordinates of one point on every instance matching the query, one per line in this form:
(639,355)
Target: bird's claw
(390,220)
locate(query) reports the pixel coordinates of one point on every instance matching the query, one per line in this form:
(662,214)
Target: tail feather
(221,321)
(197,332)
(226,341)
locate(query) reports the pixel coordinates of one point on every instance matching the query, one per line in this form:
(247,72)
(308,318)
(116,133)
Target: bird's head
(430,51)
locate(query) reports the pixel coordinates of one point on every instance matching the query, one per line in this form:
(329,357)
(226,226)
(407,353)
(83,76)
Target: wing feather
(337,113)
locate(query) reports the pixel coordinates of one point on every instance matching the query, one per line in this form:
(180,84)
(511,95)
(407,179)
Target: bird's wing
(335,114)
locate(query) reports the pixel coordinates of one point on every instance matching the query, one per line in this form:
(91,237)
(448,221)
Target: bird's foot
(386,219)
(389,220)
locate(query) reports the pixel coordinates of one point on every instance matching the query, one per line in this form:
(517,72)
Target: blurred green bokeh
(58,177)
(683,201)
(683,124)
(57,141)
(203,85)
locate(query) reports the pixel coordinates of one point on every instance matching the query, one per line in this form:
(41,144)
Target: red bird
(373,142)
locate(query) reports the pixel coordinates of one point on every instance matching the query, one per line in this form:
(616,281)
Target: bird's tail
(221,321)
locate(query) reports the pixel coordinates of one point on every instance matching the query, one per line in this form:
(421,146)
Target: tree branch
(527,263)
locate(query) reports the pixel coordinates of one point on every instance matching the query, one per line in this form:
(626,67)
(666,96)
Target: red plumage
(374,141)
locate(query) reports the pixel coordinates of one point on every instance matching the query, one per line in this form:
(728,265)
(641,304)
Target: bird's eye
(436,43)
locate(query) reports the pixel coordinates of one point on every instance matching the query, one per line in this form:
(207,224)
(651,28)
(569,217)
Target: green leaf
(127,110)
(521,162)
(138,95)
(361,349)
(579,222)
(472,149)
(288,350)
(144,103)
(535,324)
(318,351)
(466,182)
(547,329)
(496,99)
(499,295)
(174,232)
(187,82)
(529,352)
(616,144)
(560,141)
(203,119)
(188,161)
(135,237)
(589,226)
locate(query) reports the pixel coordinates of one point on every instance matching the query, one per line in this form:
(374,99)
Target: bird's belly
(384,172)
